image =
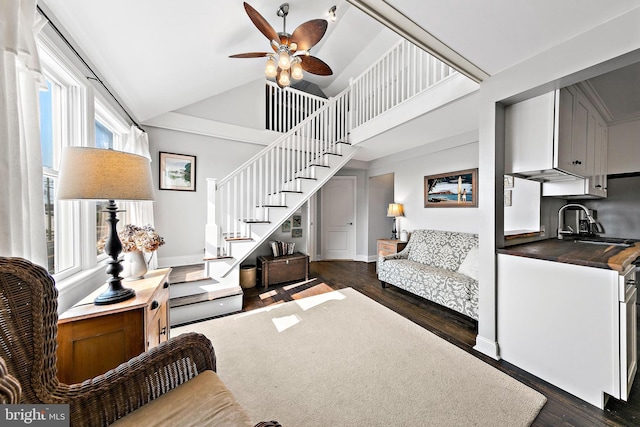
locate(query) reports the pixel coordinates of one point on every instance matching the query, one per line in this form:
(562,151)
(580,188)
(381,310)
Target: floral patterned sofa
(441,266)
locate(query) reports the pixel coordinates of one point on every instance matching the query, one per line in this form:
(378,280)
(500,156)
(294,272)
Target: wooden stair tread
(237,239)
(201,290)
(217,258)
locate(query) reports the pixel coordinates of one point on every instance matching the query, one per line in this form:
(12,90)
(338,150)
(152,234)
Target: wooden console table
(95,338)
(285,268)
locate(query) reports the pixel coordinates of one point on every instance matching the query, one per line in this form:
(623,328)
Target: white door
(338,218)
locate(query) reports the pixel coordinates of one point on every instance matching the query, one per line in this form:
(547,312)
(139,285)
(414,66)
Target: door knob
(350,223)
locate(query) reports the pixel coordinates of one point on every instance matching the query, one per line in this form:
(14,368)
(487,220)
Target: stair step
(319,166)
(306,177)
(291,191)
(217,258)
(273,206)
(255,221)
(237,239)
(194,301)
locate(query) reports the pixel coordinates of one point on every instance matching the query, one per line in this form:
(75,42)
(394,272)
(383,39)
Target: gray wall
(619,213)
(381,193)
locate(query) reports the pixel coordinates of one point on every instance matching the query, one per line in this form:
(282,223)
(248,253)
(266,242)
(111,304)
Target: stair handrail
(284,136)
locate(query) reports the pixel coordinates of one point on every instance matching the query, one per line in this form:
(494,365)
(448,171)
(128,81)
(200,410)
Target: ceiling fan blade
(313,65)
(261,23)
(308,34)
(251,55)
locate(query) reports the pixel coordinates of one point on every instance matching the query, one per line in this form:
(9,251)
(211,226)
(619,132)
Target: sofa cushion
(469,266)
(202,401)
(441,249)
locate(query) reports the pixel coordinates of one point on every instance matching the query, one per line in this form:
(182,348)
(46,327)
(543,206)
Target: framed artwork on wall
(452,189)
(296,232)
(177,172)
(286,226)
(297,221)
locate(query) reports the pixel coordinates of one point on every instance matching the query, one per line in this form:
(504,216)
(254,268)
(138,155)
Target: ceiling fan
(291,52)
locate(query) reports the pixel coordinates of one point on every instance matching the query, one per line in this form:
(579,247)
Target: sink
(604,242)
(607,241)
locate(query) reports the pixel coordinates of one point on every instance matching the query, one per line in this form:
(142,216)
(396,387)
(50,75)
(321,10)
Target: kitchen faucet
(561,230)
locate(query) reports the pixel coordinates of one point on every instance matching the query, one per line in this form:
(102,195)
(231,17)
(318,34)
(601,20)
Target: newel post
(211,231)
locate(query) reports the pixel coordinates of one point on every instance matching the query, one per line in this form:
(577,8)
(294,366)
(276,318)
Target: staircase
(247,206)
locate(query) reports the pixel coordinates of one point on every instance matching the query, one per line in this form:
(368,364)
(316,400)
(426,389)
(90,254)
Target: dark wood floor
(561,409)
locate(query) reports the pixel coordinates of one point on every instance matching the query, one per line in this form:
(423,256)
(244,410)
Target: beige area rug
(342,359)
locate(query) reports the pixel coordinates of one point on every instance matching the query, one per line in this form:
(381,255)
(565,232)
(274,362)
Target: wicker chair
(28,330)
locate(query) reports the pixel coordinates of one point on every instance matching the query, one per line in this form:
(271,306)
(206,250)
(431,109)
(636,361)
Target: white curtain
(22,229)
(139,213)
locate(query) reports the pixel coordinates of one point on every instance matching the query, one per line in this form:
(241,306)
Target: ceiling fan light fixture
(284,59)
(284,78)
(271,68)
(296,70)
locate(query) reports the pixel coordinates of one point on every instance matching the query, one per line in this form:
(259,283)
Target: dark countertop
(600,255)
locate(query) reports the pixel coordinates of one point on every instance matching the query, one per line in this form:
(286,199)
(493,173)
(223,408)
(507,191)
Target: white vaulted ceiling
(162,55)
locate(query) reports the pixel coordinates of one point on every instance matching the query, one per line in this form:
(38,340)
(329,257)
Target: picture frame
(297,221)
(296,232)
(457,189)
(177,172)
(286,226)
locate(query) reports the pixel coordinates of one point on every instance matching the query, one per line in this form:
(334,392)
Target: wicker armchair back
(28,330)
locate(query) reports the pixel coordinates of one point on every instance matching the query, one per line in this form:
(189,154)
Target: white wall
(242,106)
(181,216)
(623,154)
(524,212)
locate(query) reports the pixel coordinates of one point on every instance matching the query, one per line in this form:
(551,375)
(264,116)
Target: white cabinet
(571,325)
(560,139)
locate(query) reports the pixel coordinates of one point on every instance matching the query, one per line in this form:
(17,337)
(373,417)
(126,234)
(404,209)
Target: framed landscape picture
(177,172)
(451,190)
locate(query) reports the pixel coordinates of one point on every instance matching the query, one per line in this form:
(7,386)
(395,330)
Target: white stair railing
(245,196)
(403,72)
(286,108)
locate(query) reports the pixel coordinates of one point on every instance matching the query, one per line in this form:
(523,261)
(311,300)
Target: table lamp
(395,210)
(97,174)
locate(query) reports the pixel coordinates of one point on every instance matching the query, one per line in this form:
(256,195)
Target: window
(72,115)
(60,219)
(109,132)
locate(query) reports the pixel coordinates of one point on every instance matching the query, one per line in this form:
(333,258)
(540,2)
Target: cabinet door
(157,330)
(566,105)
(574,154)
(157,317)
(529,134)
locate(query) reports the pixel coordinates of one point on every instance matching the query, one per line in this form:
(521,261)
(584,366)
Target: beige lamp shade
(94,173)
(395,209)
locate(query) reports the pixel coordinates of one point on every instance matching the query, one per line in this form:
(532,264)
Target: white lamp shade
(94,173)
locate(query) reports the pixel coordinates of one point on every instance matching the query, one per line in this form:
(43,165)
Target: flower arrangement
(134,238)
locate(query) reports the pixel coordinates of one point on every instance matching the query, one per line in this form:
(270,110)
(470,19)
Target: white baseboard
(488,347)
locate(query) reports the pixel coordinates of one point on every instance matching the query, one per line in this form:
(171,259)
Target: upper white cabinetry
(560,139)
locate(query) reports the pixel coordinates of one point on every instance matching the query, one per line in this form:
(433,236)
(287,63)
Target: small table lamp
(99,174)
(395,210)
